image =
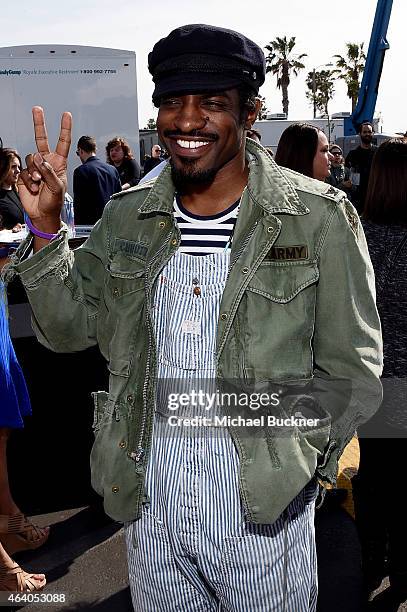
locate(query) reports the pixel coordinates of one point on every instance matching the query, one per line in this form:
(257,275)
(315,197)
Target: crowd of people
(94,181)
(265,273)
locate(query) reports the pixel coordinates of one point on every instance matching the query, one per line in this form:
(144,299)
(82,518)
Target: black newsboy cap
(198,57)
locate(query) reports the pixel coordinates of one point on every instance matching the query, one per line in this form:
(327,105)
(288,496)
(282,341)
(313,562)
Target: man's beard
(188,175)
(366,139)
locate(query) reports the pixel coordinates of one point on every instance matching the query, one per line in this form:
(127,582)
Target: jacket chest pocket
(280,313)
(281,283)
(122,311)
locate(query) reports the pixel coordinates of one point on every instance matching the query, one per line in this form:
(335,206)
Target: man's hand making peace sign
(42,185)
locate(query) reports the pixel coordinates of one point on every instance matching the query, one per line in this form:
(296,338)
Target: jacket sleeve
(117,186)
(347,339)
(78,184)
(64,288)
(134,173)
(6,218)
(349,159)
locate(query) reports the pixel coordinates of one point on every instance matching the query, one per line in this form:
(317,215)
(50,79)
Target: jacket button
(116,292)
(162,224)
(174,242)
(130,399)
(270,230)
(224,316)
(115,489)
(245,270)
(122,444)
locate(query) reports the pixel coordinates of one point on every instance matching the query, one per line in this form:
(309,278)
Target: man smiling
(224,268)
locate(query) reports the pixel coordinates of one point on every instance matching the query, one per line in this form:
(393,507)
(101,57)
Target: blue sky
(321,28)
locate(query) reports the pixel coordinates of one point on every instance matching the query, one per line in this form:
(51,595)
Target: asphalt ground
(85,561)
(84,558)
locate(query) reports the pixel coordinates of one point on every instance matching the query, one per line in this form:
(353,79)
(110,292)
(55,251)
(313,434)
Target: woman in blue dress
(16,530)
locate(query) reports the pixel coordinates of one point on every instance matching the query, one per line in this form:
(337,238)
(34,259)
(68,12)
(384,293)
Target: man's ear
(252,114)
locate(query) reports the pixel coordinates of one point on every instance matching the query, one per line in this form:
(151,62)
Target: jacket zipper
(243,245)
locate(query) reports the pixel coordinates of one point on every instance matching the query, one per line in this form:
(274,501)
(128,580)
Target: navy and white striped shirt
(202,235)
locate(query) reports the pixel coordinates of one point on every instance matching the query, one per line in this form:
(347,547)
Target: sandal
(16,579)
(18,533)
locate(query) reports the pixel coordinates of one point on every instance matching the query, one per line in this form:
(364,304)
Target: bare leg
(5,559)
(13,578)
(7,504)
(16,531)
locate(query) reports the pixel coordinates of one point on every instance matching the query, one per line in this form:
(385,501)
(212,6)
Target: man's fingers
(41,138)
(26,180)
(40,130)
(48,175)
(32,169)
(64,140)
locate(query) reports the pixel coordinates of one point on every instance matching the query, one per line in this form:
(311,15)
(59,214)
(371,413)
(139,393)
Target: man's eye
(213,104)
(169,102)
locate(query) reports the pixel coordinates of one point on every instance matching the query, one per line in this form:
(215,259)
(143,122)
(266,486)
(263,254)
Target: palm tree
(151,124)
(321,89)
(263,109)
(280,62)
(350,68)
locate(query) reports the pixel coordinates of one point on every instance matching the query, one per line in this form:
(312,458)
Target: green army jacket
(298,307)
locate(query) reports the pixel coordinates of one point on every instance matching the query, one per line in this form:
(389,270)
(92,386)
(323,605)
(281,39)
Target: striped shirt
(202,235)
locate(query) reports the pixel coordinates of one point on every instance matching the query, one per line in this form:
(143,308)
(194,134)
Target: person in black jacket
(378,488)
(93,183)
(11,209)
(155,159)
(359,161)
(119,154)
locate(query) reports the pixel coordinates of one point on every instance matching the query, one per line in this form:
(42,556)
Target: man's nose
(190,116)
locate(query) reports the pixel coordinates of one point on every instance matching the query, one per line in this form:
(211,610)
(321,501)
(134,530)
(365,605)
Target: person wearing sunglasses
(339,174)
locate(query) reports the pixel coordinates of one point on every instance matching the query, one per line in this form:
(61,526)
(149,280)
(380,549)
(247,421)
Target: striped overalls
(193,550)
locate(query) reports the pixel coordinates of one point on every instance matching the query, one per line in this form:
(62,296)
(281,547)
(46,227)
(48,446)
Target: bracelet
(37,232)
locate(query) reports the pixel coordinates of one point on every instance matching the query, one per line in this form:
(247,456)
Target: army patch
(129,247)
(353,221)
(331,191)
(288,253)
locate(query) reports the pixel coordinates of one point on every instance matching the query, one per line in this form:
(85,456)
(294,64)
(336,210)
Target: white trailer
(271,130)
(97,85)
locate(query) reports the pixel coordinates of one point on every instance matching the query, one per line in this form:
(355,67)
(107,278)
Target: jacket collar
(267,185)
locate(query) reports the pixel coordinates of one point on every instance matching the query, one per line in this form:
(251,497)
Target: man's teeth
(191,144)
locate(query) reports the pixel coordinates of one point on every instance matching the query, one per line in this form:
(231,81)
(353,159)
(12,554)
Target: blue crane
(369,87)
